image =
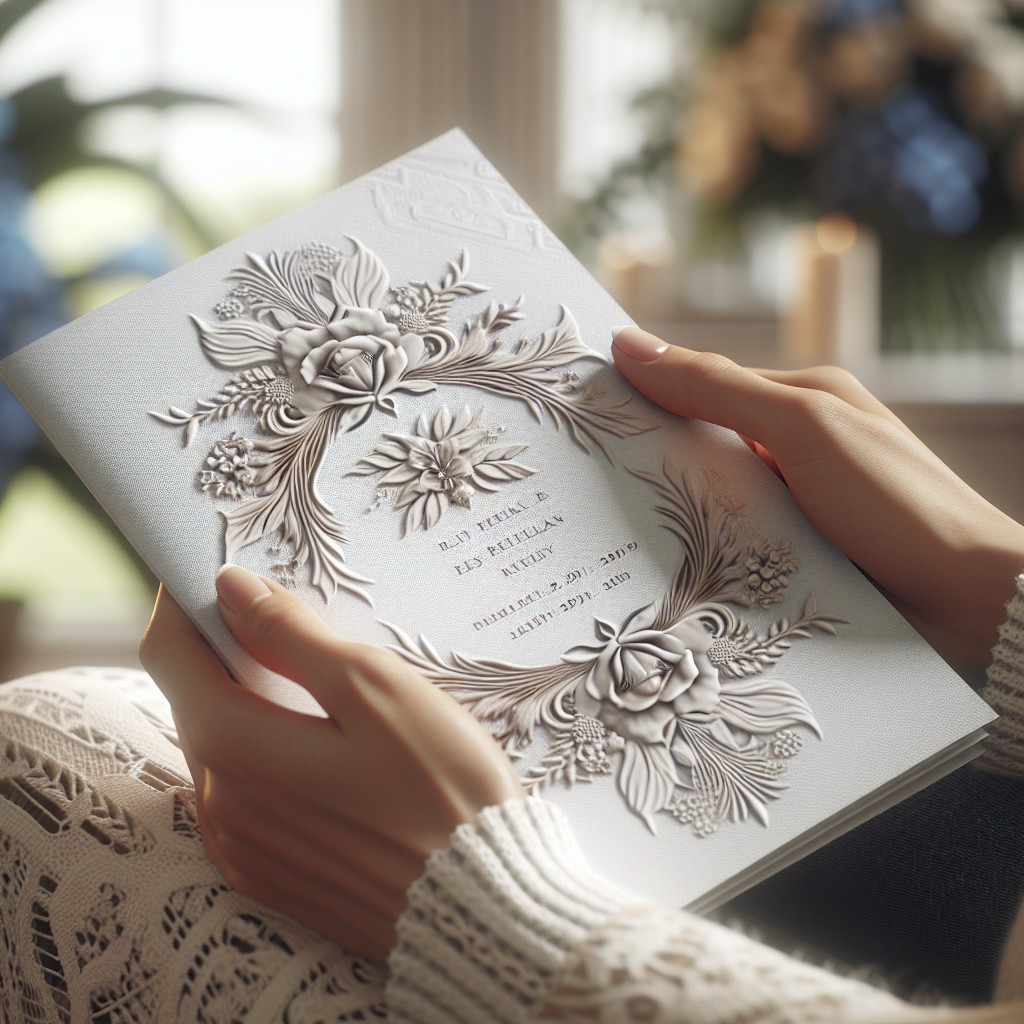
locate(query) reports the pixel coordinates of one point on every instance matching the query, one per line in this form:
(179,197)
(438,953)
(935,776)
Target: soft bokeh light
(236,167)
(85,574)
(82,218)
(259,140)
(614,51)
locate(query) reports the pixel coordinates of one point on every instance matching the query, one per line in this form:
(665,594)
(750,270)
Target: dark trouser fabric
(929,888)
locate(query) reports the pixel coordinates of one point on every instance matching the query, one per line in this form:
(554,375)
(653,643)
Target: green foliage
(49,134)
(50,127)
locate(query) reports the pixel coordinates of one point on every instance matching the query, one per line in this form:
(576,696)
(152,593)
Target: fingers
(839,382)
(708,386)
(283,633)
(224,727)
(766,406)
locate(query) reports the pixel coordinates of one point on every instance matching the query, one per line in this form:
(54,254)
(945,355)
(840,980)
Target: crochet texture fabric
(110,911)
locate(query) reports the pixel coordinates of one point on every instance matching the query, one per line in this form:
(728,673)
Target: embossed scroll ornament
(672,692)
(319,339)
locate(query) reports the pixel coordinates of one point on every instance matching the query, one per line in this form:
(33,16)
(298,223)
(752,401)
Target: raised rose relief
(672,701)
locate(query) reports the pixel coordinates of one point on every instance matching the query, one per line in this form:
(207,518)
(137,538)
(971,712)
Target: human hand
(942,555)
(327,819)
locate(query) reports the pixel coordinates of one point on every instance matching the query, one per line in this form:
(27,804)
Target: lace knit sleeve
(1004,692)
(510,924)
(495,917)
(651,963)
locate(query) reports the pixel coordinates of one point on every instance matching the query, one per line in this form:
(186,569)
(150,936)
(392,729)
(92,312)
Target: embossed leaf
(436,504)
(238,343)
(352,416)
(401,474)
(174,416)
(763,706)
(414,515)
(723,734)
(561,344)
(741,779)
(360,280)
(408,494)
(647,779)
(372,463)
(415,387)
(393,449)
(497,316)
(464,419)
(425,512)
(442,424)
(501,471)
(581,654)
(475,344)
(683,753)
(501,454)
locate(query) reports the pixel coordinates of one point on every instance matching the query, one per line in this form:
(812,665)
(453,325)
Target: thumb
(285,635)
(710,387)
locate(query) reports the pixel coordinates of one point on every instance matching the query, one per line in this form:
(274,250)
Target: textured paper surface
(884,700)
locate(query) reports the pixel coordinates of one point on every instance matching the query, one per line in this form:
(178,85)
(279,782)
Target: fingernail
(638,345)
(240,589)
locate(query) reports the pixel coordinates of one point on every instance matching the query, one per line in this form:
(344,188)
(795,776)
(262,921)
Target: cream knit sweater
(110,910)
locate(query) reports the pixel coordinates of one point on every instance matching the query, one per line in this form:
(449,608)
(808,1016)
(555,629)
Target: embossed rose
(643,678)
(356,360)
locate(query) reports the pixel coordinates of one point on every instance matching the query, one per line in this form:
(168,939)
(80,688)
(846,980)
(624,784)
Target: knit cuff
(1004,692)
(494,918)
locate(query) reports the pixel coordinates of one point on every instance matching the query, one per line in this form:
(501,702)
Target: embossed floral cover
(398,400)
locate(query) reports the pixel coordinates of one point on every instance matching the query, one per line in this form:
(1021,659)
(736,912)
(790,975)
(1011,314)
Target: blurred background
(785,181)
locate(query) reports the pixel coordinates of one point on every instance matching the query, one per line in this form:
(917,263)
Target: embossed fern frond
(524,373)
(741,781)
(283,283)
(261,390)
(557,764)
(512,700)
(290,509)
(743,652)
(435,302)
(714,547)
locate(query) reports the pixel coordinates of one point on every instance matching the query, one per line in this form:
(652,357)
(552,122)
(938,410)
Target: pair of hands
(330,820)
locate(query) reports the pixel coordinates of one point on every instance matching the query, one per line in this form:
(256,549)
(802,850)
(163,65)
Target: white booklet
(398,401)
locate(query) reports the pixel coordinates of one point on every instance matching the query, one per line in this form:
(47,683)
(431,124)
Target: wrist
(495,917)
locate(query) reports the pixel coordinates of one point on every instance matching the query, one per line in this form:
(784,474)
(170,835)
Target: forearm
(510,924)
